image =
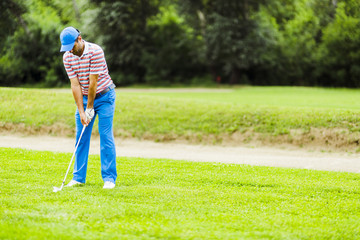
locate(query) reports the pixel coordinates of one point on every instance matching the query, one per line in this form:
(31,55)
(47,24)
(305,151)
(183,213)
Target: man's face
(77,49)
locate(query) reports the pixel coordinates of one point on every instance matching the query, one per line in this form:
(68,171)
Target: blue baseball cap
(68,37)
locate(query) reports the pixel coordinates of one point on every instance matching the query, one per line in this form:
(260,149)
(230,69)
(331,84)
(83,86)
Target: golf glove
(89,113)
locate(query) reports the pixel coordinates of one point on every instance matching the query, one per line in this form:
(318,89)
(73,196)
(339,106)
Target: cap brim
(67,47)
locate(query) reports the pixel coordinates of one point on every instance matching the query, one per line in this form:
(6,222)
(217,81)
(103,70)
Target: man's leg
(82,152)
(107,150)
(105,108)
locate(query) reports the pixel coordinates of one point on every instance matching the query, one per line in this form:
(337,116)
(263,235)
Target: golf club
(56,189)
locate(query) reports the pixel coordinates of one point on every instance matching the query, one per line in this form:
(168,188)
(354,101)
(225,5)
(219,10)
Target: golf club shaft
(77,144)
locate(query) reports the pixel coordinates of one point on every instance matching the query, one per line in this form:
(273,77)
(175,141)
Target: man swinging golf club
(94,94)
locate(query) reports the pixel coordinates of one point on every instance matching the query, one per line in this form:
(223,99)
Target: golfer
(94,94)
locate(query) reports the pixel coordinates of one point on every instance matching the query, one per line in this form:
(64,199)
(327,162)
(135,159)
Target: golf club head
(56,189)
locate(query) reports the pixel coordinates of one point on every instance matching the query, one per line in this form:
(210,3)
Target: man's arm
(92,90)
(78,96)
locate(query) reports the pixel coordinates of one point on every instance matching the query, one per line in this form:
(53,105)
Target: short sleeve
(69,70)
(97,62)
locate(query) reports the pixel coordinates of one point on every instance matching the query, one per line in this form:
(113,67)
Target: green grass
(271,111)
(164,199)
(305,97)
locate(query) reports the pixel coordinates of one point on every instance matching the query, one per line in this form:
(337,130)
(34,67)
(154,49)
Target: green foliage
(11,12)
(314,44)
(298,46)
(268,112)
(166,199)
(234,40)
(123,26)
(34,59)
(162,42)
(32,52)
(340,52)
(170,56)
(281,10)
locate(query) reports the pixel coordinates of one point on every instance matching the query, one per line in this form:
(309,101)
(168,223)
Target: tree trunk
(235,76)
(77,12)
(245,11)
(202,22)
(24,25)
(17,11)
(334,2)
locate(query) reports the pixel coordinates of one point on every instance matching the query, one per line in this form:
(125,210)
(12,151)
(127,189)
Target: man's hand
(89,113)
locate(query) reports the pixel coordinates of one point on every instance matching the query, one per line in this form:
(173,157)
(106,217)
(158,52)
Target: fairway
(298,116)
(164,199)
(293,97)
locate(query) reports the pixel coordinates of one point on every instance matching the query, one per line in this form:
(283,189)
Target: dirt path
(239,155)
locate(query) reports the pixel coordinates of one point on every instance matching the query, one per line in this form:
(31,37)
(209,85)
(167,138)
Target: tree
(339,55)
(172,52)
(122,25)
(234,38)
(31,51)
(13,9)
(299,45)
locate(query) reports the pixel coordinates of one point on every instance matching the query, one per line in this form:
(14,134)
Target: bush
(33,58)
(339,55)
(172,55)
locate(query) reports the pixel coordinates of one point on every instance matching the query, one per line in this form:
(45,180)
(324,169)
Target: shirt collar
(86,49)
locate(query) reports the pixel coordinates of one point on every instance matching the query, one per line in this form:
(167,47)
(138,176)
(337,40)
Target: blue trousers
(104,107)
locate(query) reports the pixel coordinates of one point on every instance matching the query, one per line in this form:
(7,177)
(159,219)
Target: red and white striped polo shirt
(92,61)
